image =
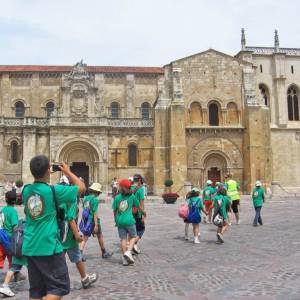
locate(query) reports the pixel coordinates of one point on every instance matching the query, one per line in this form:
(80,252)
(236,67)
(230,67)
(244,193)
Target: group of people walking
(54,228)
(219,203)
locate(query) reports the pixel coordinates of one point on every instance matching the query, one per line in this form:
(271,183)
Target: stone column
(29,151)
(130,95)
(2,153)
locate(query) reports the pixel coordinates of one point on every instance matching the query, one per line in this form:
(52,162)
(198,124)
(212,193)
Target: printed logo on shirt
(123,206)
(255,194)
(86,204)
(35,205)
(207,193)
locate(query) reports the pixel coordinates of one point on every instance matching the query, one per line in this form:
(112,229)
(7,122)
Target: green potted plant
(168,196)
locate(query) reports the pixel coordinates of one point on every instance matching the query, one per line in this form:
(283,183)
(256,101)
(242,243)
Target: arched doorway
(215,167)
(83,159)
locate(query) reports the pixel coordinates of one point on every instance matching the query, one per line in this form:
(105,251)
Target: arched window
(196,113)
(50,108)
(115,110)
(14,152)
(292,102)
(20,109)
(132,155)
(145,110)
(264,93)
(213,114)
(232,113)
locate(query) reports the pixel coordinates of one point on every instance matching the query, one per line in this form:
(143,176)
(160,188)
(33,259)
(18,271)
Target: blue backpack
(86,226)
(194,214)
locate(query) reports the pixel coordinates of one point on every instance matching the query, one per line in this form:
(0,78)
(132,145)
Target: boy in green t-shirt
(122,207)
(91,202)
(10,218)
(221,205)
(258,198)
(71,246)
(47,268)
(139,191)
(208,193)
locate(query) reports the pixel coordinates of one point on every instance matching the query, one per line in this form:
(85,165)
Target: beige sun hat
(258,183)
(97,187)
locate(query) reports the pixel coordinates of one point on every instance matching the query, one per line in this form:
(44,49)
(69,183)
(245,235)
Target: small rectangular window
(261,68)
(292,69)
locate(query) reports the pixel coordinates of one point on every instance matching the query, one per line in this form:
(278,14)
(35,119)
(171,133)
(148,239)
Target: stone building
(196,118)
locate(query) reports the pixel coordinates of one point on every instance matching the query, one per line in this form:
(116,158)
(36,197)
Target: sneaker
(186,237)
(89,280)
(238,222)
(124,261)
(220,238)
(196,240)
(229,223)
(136,249)
(106,254)
(19,277)
(255,225)
(129,257)
(7,291)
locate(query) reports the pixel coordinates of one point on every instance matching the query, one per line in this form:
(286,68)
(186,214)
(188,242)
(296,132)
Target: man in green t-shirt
(122,207)
(258,198)
(91,202)
(139,191)
(10,219)
(47,268)
(221,205)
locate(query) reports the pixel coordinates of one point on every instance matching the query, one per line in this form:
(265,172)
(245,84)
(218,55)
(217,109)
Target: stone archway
(215,166)
(83,158)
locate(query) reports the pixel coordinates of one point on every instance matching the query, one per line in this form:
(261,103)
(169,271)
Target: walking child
(208,194)
(125,222)
(10,222)
(194,217)
(220,218)
(258,198)
(90,205)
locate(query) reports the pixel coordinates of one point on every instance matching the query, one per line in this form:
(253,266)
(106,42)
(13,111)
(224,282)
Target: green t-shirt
(91,202)
(71,212)
(140,196)
(224,206)
(196,201)
(258,195)
(122,205)
(208,192)
(41,235)
(10,219)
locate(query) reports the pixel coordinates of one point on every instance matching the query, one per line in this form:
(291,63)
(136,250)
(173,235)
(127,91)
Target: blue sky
(138,32)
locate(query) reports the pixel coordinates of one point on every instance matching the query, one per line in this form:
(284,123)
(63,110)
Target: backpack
(183,211)
(86,226)
(135,209)
(63,225)
(17,240)
(5,241)
(218,216)
(194,214)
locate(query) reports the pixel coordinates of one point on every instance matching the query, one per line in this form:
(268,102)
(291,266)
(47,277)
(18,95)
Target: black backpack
(17,240)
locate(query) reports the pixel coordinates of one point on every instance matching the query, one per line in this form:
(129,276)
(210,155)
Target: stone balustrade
(86,122)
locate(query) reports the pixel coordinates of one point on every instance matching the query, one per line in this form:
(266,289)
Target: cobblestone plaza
(253,263)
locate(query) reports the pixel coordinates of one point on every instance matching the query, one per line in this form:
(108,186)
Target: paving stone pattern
(253,263)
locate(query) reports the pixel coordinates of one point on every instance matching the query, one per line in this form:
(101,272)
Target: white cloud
(137,32)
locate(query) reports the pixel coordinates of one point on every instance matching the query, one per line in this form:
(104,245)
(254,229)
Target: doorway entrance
(214,174)
(81,169)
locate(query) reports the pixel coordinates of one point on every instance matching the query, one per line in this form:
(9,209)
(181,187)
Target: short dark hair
(39,166)
(11,197)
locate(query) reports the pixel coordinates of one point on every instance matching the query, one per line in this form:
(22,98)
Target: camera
(56,168)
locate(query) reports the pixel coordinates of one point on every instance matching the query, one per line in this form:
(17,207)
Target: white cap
(209,182)
(258,183)
(64,179)
(97,187)
(130,178)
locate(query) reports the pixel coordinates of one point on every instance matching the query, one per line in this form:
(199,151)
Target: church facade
(198,117)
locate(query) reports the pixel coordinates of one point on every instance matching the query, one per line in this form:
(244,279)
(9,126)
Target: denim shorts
(127,231)
(74,255)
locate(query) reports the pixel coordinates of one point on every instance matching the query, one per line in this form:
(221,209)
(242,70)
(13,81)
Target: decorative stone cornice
(271,51)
